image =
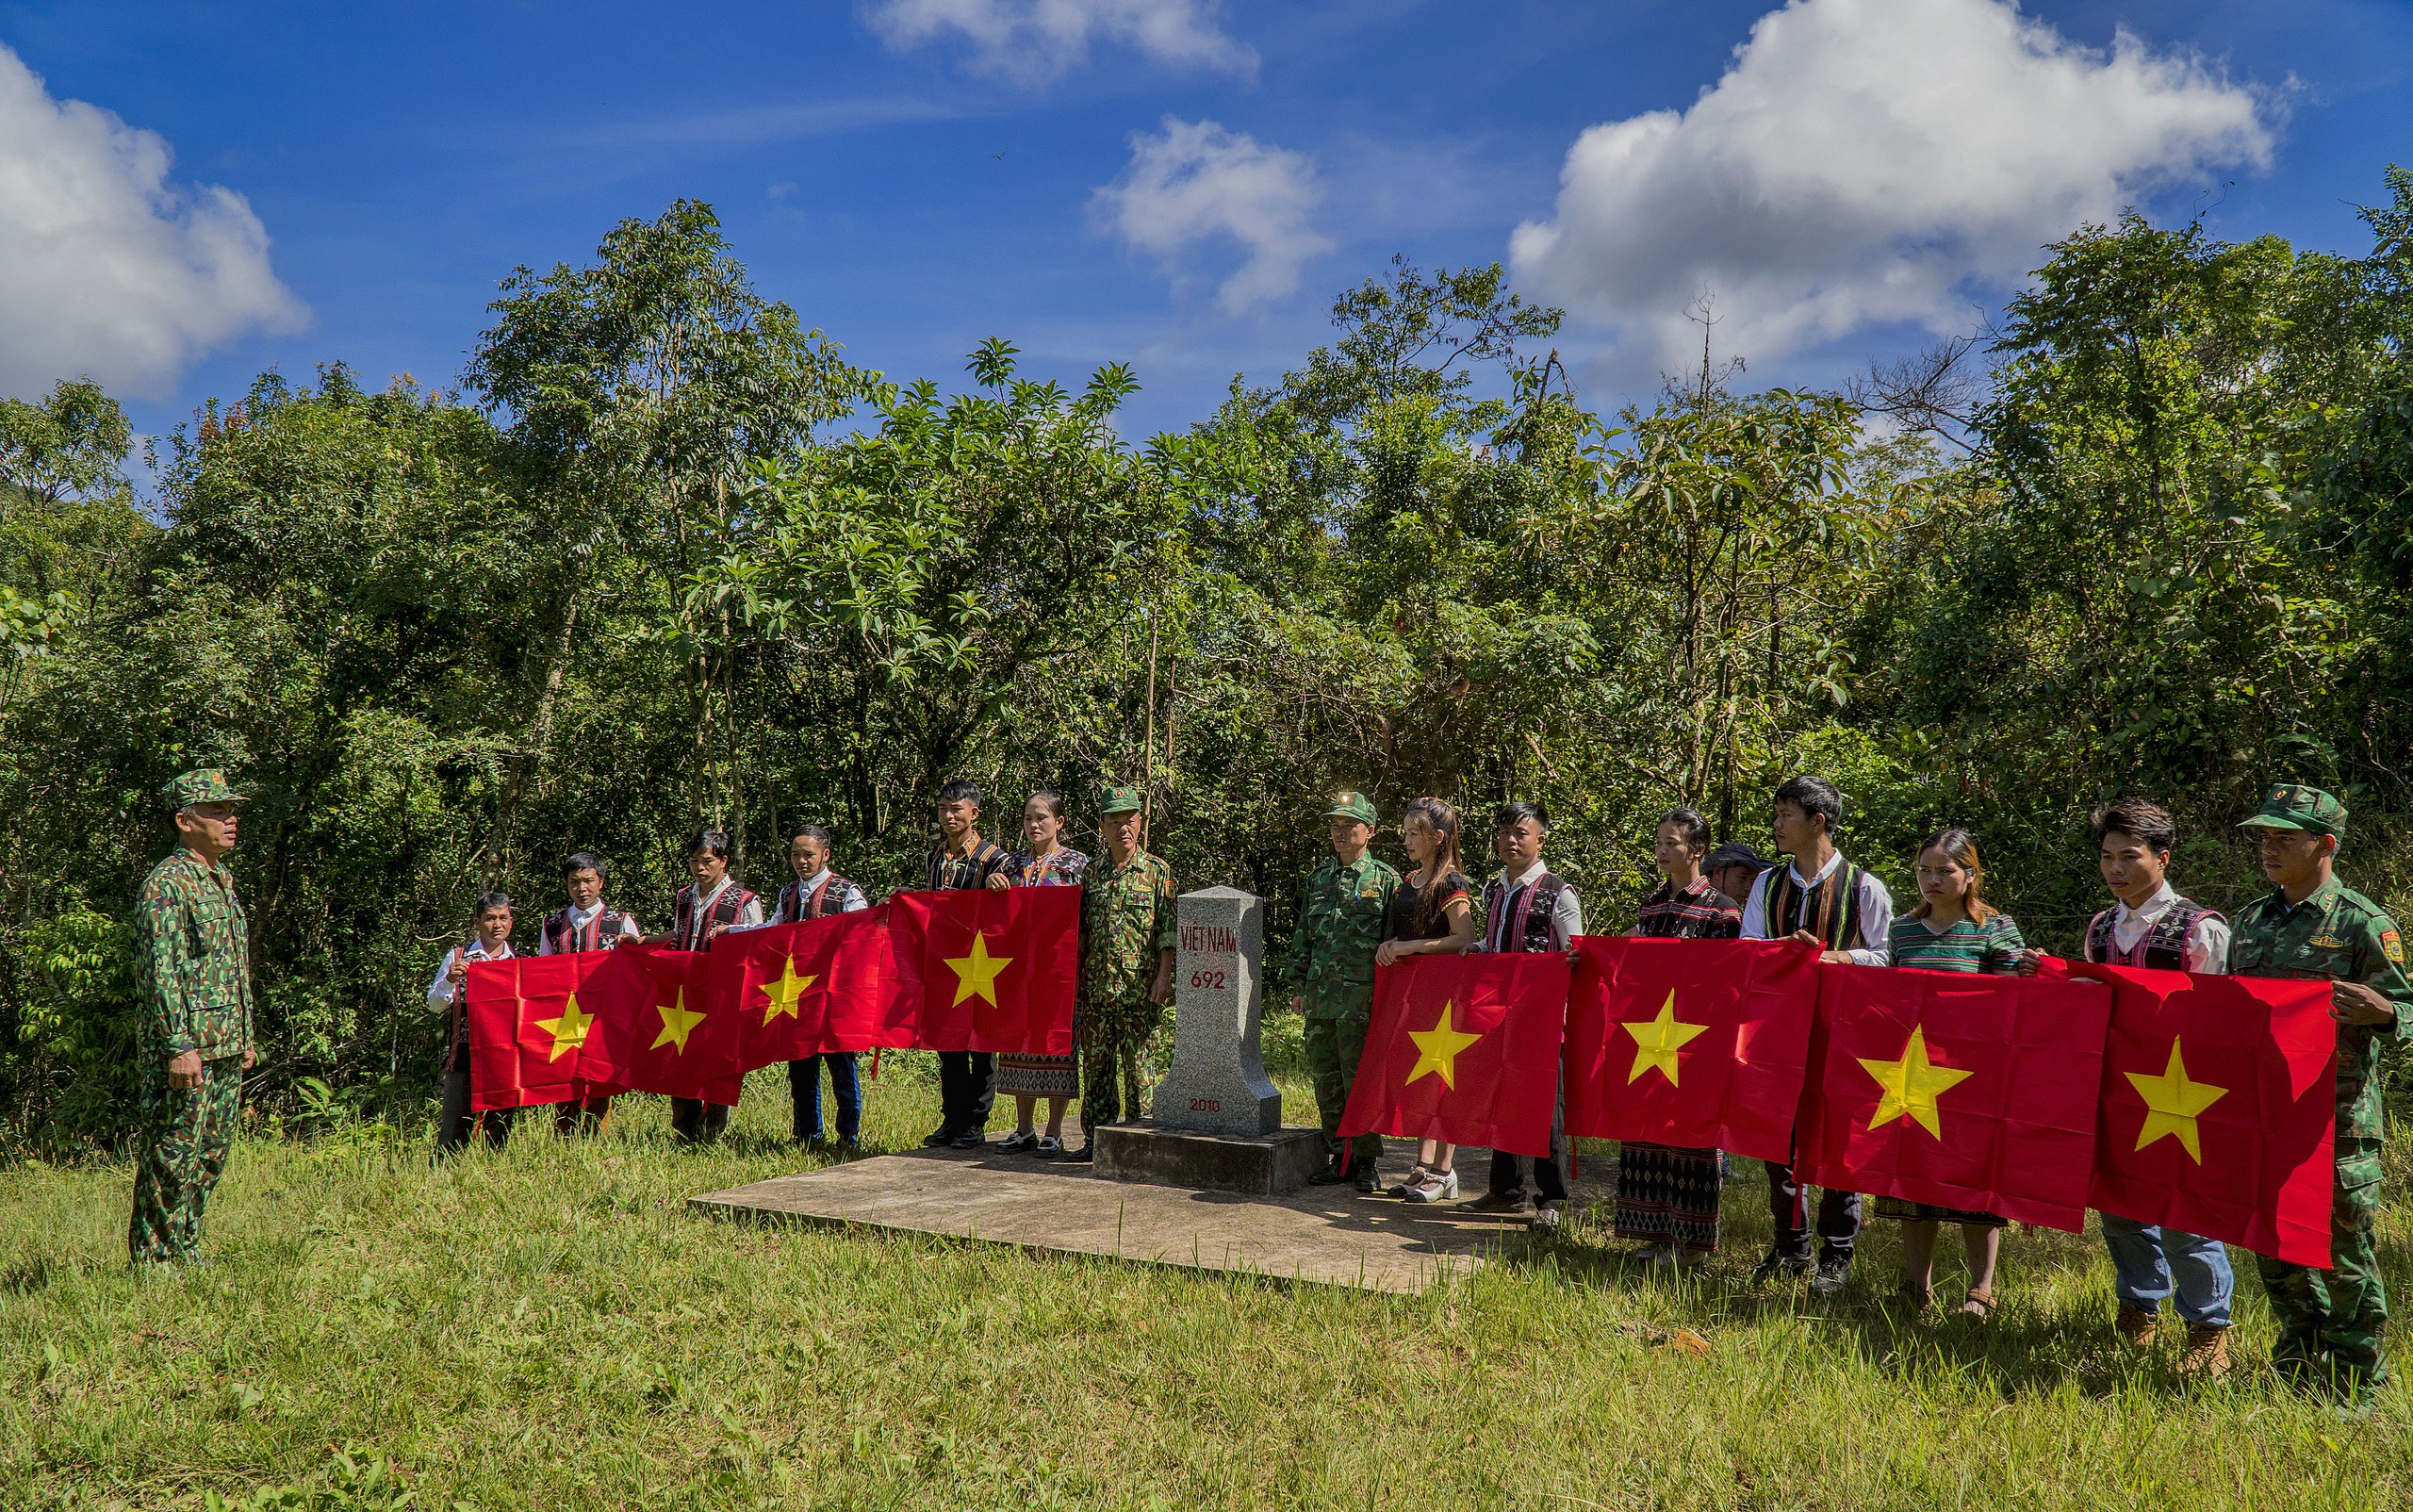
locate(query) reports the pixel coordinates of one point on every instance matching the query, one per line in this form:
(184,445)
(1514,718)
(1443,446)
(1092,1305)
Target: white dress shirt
(2206,948)
(1566,918)
(580,918)
(440,991)
(1876,908)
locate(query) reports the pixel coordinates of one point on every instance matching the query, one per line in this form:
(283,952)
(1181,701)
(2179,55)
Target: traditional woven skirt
(1668,1194)
(1038,1076)
(1904,1211)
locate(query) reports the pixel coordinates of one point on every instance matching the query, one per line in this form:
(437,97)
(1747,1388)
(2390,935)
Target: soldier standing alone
(1342,916)
(2330,1321)
(193,963)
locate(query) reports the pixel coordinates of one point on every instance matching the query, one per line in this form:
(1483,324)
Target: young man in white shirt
(817,893)
(710,906)
(450,992)
(1822,899)
(587,924)
(2150,925)
(1525,908)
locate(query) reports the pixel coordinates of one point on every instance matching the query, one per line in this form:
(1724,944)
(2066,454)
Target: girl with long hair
(1432,914)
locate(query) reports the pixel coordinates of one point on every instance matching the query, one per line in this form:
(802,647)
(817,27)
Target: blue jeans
(804,1092)
(2150,1263)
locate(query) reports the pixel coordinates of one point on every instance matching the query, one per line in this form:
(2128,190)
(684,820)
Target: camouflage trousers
(2330,1321)
(1334,1048)
(180,1151)
(1112,1040)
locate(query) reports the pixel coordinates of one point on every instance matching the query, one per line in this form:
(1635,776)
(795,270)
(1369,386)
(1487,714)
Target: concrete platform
(1323,1235)
(1253,1165)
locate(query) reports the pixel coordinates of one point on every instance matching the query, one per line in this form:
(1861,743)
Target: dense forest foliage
(664,558)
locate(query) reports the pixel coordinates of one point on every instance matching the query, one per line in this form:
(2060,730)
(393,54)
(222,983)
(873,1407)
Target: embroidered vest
(1528,929)
(830,898)
(1830,910)
(692,933)
(599,933)
(2163,947)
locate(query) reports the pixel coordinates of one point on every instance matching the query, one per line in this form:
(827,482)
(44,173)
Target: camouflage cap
(207,785)
(2292,806)
(1118,800)
(1351,806)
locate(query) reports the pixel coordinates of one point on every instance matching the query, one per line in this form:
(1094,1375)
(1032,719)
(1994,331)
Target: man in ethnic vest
(967,1079)
(707,908)
(817,893)
(1525,908)
(587,924)
(2150,925)
(1821,899)
(450,992)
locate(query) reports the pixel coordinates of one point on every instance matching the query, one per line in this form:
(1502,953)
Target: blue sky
(911,189)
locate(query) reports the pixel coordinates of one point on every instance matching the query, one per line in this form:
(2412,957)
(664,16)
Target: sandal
(1433,1186)
(1980,1305)
(1399,1188)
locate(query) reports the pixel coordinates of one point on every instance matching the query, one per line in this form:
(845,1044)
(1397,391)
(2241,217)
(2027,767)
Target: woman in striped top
(1667,1196)
(1953,928)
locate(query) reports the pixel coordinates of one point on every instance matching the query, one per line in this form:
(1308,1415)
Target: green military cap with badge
(1118,800)
(1356,806)
(205,785)
(2293,806)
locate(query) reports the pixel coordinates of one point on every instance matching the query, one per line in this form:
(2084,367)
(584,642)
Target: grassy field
(549,1328)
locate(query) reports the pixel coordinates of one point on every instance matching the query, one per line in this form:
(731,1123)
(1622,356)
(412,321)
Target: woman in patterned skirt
(1668,1194)
(1432,914)
(1045,861)
(1953,928)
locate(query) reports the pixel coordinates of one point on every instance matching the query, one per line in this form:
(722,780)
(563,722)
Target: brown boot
(2207,1354)
(2136,1327)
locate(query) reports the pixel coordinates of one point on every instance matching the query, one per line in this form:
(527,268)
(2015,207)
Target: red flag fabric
(657,1028)
(795,990)
(530,1018)
(985,969)
(1967,1091)
(2219,1108)
(1702,1043)
(1463,1049)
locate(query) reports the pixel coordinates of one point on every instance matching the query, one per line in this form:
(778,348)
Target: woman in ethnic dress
(1953,928)
(1668,1194)
(1432,914)
(1045,861)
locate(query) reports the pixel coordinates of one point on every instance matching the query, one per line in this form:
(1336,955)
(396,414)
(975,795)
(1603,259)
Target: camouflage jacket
(1127,922)
(192,961)
(1342,912)
(2339,935)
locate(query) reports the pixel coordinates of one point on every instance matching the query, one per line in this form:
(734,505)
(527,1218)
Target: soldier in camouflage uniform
(193,1040)
(1341,916)
(1126,966)
(2330,1321)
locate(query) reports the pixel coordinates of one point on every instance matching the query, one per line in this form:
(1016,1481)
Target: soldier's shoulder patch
(2393,946)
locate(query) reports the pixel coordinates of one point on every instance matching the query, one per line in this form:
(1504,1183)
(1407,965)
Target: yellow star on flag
(678,1022)
(2172,1103)
(785,993)
(1911,1085)
(1656,1040)
(569,1031)
(977,972)
(1436,1049)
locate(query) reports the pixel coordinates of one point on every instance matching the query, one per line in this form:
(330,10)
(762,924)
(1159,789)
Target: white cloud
(1032,42)
(1870,161)
(107,269)
(1199,182)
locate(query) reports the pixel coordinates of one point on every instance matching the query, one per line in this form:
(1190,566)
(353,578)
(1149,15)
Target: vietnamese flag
(985,969)
(1694,1043)
(656,1029)
(795,990)
(2219,1108)
(530,1019)
(1463,1049)
(1967,1091)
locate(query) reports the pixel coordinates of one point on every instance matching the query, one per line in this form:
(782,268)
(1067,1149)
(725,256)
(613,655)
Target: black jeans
(1789,1213)
(967,1085)
(804,1093)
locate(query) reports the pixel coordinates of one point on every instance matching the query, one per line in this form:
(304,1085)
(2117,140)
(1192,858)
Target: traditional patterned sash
(1828,910)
